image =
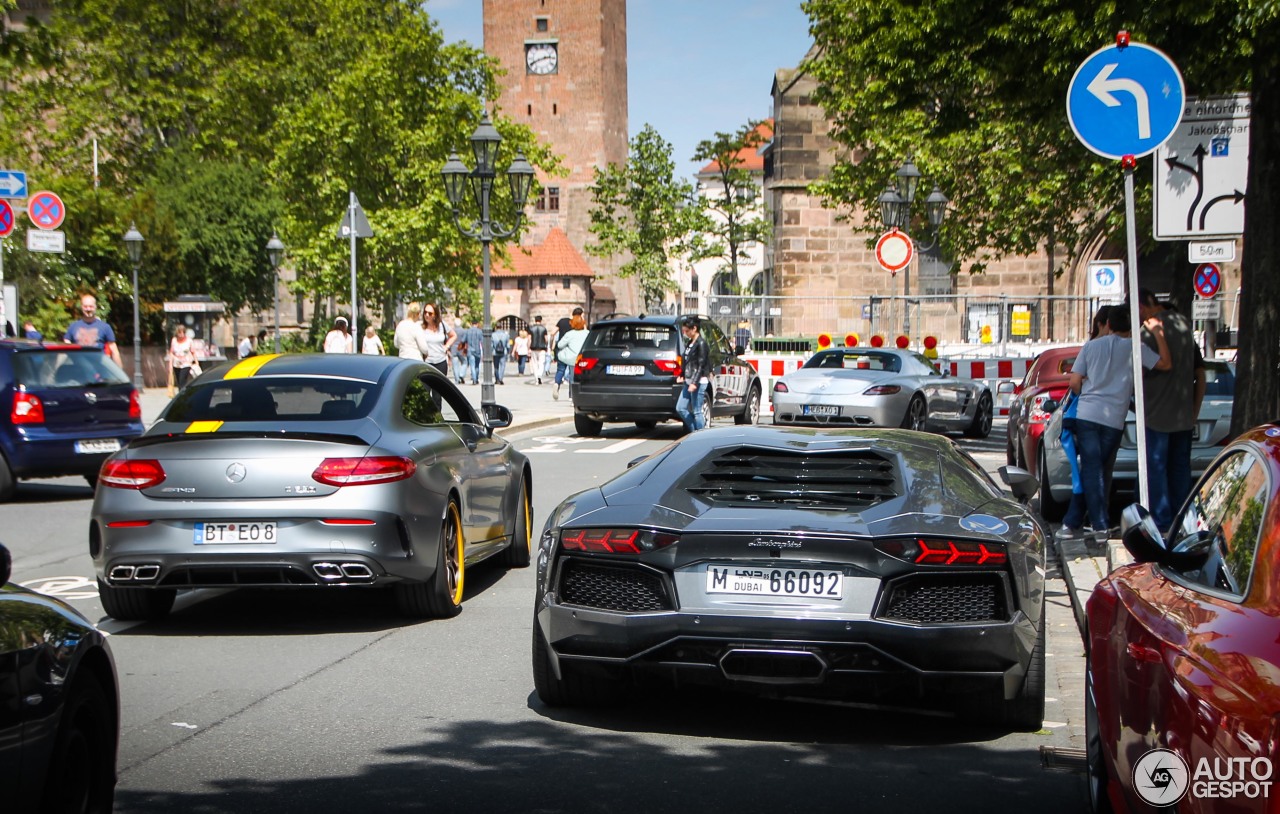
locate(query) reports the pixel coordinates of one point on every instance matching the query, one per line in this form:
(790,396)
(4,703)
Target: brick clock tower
(566,64)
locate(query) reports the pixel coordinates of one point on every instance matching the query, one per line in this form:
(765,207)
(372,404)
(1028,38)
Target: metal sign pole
(1140,401)
(355,328)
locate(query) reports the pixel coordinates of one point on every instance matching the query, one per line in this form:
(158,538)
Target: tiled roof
(554,257)
(750,157)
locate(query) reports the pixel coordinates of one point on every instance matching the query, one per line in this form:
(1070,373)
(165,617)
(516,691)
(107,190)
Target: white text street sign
(13,184)
(1202,171)
(1206,309)
(46,240)
(1211,251)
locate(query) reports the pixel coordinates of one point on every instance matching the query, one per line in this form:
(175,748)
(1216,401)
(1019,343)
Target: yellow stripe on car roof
(204,426)
(248,367)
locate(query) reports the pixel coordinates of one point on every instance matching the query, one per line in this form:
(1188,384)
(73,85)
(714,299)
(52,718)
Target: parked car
(65,408)
(878,566)
(59,705)
(307,471)
(629,367)
(1183,646)
(1212,430)
(1045,383)
(880,387)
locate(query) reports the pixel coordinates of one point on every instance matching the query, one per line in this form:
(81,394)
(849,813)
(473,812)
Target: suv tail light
(27,409)
(135,406)
(671,366)
(584,364)
(361,471)
(923,551)
(131,474)
(615,541)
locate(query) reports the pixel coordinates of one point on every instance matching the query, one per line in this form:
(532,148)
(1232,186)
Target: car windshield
(1219,379)
(633,336)
(854,360)
(274,399)
(51,369)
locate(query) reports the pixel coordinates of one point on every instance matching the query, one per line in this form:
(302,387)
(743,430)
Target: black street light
(895,210)
(133,243)
(484,144)
(275,253)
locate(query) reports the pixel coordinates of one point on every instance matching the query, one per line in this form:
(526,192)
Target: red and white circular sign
(894,250)
(6,219)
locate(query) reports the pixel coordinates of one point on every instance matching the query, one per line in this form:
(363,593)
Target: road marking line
(624,444)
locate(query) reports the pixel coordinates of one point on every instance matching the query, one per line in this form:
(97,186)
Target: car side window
(427,401)
(1224,518)
(715,338)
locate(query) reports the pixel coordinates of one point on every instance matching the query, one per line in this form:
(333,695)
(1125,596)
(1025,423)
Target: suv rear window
(1219,379)
(633,336)
(53,369)
(274,399)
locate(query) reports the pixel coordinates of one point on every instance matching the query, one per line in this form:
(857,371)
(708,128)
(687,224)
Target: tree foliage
(263,115)
(641,210)
(976,90)
(731,219)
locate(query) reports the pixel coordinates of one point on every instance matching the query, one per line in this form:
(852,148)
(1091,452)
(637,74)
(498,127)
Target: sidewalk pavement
(532,406)
(1084,564)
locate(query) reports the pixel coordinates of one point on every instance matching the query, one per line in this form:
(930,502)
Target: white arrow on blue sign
(13,184)
(1125,100)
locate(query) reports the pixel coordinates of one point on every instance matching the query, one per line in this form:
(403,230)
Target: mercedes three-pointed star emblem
(236,472)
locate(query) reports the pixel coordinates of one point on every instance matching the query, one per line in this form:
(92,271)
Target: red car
(1046,380)
(1182,705)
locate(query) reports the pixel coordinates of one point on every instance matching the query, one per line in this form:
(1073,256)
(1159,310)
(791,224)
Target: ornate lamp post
(484,144)
(895,211)
(275,253)
(133,243)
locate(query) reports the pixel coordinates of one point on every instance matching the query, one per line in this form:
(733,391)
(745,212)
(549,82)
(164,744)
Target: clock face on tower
(541,57)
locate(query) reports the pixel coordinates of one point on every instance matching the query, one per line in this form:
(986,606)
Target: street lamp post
(484,144)
(275,253)
(895,211)
(133,243)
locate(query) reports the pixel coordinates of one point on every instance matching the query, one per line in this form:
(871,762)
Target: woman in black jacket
(696,376)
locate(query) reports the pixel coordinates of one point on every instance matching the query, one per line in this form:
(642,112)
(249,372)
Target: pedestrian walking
(339,340)
(742,336)
(695,374)
(1172,400)
(438,338)
(538,348)
(372,345)
(245,349)
(182,357)
(475,350)
(1102,379)
(568,346)
(408,338)
(520,348)
(29,331)
(90,331)
(501,347)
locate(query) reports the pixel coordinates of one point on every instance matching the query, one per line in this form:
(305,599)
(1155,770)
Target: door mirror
(1022,483)
(1049,406)
(496,416)
(6,565)
(739,350)
(1140,535)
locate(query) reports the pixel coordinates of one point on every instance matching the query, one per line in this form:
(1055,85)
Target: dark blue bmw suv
(63,410)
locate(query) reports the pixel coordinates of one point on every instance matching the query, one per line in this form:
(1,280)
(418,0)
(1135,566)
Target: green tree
(976,89)
(641,210)
(731,218)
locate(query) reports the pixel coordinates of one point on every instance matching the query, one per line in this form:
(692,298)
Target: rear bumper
(625,403)
(36,452)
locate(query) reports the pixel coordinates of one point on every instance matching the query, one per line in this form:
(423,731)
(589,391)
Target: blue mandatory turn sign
(1125,100)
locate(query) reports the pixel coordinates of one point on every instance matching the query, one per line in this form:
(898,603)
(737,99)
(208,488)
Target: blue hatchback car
(63,410)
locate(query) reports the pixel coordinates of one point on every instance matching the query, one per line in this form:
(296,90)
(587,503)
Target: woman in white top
(409,341)
(339,339)
(181,356)
(439,338)
(372,345)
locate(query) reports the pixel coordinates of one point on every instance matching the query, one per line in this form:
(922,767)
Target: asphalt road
(270,701)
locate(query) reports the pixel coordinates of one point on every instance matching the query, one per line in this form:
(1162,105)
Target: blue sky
(695,67)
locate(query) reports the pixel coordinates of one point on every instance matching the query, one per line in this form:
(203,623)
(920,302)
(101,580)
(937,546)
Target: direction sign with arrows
(1201,172)
(13,184)
(1125,100)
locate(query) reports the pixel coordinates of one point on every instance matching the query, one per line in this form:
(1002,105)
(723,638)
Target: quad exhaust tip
(134,573)
(334,571)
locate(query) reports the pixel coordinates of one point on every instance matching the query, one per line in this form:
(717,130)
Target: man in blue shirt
(91,331)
